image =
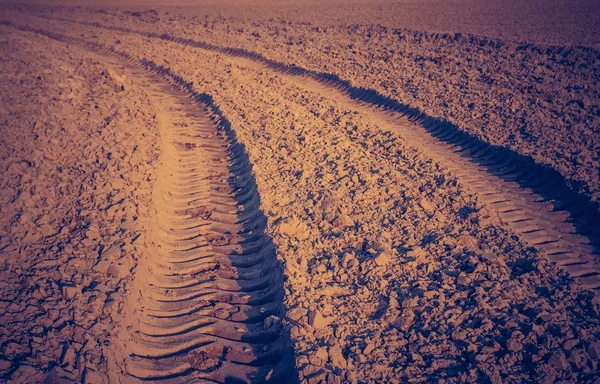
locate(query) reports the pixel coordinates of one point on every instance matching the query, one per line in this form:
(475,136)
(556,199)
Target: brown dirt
(78,144)
(541,101)
(394,269)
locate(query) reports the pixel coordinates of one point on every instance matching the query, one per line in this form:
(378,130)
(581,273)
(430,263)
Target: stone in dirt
(297,313)
(92,377)
(343,221)
(337,357)
(417,252)
(594,350)
(405,320)
(321,353)
(293,227)
(382,259)
(122,268)
(427,207)
(59,376)
(4,365)
(317,321)
(69,292)
(558,361)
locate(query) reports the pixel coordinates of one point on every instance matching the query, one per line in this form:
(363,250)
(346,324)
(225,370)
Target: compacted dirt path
(206,300)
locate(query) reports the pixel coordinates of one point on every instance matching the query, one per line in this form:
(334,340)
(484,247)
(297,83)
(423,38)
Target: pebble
(427,207)
(594,350)
(558,361)
(317,321)
(569,344)
(58,376)
(322,354)
(4,365)
(337,357)
(297,313)
(368,349)
(405,321)
(382,259)
(69,292)
(417,252)
(343,221)
(118,271)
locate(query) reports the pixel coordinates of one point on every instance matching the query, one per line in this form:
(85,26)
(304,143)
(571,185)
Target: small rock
(336,357)
(69,358)
(297,332)
(427,207)
(405,321)
(271,322)
(58,376)
(118,271)
(569,344)
(222,313)
(47,230)
(293,227)
(349,261)
(558,361)
(417,252)
(377,246)
(111,253)
(351,378)
(69,292)
(343,221)
(514,345)
(594,350)
(93,231)
(382,259)
(4,365)
(368,349)
(459,334)
(92,377)
(101,267)
(297,313)
(317,321)
(322,353)
(316,373)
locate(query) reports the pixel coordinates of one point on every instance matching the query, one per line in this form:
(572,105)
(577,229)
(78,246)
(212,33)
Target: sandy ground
(393,272)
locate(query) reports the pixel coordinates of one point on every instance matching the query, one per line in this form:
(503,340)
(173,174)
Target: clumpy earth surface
(540,100)
(77,151)
(393,270)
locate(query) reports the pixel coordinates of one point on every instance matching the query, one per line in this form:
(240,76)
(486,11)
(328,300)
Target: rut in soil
(206,302)
(533,199)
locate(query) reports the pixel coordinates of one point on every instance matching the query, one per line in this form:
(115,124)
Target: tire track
(211,290)
(534,200)
(206,300)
